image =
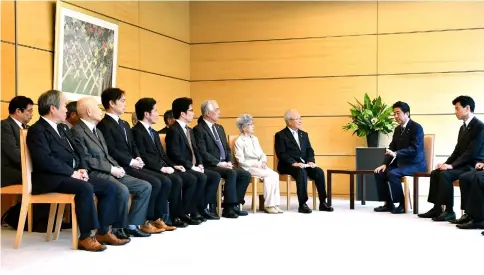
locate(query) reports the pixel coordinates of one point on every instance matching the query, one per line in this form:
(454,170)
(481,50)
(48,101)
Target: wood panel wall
(263,58)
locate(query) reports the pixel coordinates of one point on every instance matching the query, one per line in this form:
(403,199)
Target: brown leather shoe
(161,224)
(111,239)
(90,244)
(149,228)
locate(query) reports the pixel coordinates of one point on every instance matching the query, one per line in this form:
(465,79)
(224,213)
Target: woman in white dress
(251,158)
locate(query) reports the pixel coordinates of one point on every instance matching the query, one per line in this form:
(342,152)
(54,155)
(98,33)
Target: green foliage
(371,116)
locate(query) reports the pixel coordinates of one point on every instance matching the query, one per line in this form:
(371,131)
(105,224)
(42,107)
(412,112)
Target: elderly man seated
(251,158)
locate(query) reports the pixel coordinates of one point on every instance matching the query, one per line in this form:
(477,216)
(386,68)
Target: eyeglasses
(297,118)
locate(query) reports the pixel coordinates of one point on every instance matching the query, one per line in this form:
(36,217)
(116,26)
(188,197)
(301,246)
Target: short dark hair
(143,105)
(19,102)
(465,101)
(71,108)
(47,99)
(180,105)
(167,115)
(111,94)
(403,106)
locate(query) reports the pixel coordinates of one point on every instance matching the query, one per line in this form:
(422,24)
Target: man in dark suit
(59,167)
(468,151)
(169,120)
(72,118)
(122,147)
(296,158)
(472,199)
(102,165)
(404,157)
(151,150)
(182,149)
(217,156)
(20,109)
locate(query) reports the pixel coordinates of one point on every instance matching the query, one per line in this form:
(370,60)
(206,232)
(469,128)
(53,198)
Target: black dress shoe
(209,216)
(471,225)
(179,223)
(136,232)
(120,234)
(304,208)
(432,213)
(444,217)
(385,208)
(189,220)
(482,233)
(462,220)
(197,216)
(325,207)
(399,210)
(229,213)
(240,212)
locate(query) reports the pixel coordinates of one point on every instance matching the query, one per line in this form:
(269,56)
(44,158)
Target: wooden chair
(255,180)
(53,199)
(429,141)
(287,178)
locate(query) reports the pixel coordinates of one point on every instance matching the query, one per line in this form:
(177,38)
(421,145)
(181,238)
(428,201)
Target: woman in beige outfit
(251,158)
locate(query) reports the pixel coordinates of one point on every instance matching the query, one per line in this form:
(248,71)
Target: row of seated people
(118,161)
(405,156)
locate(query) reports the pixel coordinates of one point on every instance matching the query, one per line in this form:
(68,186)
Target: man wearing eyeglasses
(296,158)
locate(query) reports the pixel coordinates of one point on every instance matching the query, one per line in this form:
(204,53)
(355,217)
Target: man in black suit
(468,151)
(217,156)
(404,157)
(20,109)
(151,150)
(296,158)
(182,149)
(472,199)
(72,118)
(59,167)
(169,120)
(122,147)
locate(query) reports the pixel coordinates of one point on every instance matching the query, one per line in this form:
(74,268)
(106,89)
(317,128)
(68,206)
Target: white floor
(342,242)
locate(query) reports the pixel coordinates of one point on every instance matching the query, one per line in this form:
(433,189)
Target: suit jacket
(248,152)
(409,146)
(94,150)
(52,157)
(121,150)
(288,151)
(469,149)
(164,130)
(178,148)
(10,143)
(208,147)
(151,151)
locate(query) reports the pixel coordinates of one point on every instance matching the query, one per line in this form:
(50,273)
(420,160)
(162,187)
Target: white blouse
(248,151)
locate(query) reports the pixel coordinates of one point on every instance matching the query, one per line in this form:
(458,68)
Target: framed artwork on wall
(86,52)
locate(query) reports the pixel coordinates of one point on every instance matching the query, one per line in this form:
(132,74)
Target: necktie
(194,160)
(123,130)
(464,125)
(403,130)
(64,138)
(297,139)
(152,134)
(95,133)
(219,142)
(24,126)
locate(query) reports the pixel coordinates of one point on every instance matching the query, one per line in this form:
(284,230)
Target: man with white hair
(217,156)
(296,158)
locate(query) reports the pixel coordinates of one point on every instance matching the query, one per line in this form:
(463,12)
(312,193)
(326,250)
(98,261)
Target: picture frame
(86,54)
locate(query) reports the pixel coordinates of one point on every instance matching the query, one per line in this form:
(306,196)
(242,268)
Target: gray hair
(287,115)
(48,99)
(243,120)
(207,106)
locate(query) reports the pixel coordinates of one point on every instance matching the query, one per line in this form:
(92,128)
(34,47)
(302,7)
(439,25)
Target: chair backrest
(232,139)
(163,142)
(429,141)
(26,163)
(276,160)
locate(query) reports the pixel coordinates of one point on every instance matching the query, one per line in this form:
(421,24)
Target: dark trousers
(301,175)
(87,216)
(236,182)
(441,191)
(389,185)
(465,182)
(10,176)
(475,200)
(207,185)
